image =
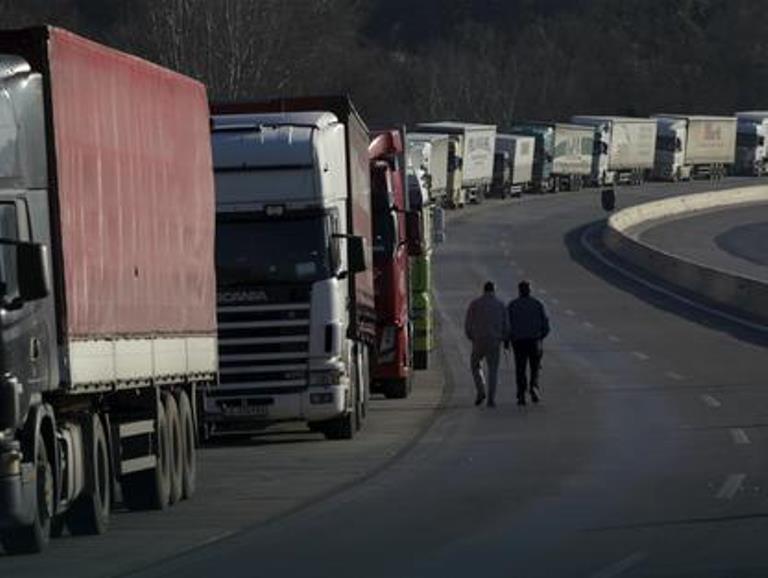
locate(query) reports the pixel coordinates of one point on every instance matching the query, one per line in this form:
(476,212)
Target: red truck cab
(396,237)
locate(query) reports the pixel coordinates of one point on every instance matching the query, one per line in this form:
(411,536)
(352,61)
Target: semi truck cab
(285,257)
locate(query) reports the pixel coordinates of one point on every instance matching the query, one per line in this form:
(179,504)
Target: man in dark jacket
(529,326)
(486,327)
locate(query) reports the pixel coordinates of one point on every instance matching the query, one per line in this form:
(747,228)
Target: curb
(741,293)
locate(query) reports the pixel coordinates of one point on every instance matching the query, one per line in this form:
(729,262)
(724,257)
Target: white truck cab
(287,266)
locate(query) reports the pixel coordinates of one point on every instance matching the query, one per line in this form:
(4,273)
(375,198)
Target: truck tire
(150,489)
(340,428)
(398,388)
(189,472)
(35,537)
(90,512)
(175,448)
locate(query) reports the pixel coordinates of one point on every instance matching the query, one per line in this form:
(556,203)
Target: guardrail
(741,293)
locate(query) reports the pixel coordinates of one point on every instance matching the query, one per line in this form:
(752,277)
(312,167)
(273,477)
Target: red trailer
(107,237)
(396,237)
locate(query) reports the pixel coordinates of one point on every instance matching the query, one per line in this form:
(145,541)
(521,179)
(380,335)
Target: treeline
(407,60)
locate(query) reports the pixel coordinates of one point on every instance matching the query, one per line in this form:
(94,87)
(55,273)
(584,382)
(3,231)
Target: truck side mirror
(356,254)
(438,225)
(414,234)
(33,271)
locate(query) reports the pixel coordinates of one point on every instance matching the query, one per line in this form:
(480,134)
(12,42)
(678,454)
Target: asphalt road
(645,459)
(734,239)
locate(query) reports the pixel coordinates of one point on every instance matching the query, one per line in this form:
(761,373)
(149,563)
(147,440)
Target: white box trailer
(477,152)
(694,146)
(428,155)
(625,148)
(513,164)
(751,150)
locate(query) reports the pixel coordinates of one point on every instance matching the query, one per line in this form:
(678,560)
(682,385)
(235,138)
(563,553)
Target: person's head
(489,288)
(524,288)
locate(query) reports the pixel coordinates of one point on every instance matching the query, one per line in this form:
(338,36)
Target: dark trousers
(528,353)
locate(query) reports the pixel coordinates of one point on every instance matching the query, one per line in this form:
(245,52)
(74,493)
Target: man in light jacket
(487,328)
(528,326)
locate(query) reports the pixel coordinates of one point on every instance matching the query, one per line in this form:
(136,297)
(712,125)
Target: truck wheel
(90,512)
(150,489)
(34,538)
(175,448)
(189,472)
(397,389)
(340,428)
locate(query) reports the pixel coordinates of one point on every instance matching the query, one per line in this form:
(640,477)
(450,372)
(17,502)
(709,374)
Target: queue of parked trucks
(173,271)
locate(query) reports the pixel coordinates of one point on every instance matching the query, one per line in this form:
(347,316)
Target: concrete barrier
(740,293)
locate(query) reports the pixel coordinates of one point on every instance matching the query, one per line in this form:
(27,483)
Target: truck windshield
(292,250)
(384,221)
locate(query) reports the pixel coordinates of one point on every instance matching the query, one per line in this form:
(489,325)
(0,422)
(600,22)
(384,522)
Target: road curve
(733,239)
(647,457)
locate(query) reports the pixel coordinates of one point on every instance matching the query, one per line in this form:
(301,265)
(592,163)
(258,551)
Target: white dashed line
(621,566)
(570,312)
(542,291)
(614,339)
(588,325)
(555,301)
(711,401)
(674,375)
(732,484)
(641,356)
(740,437)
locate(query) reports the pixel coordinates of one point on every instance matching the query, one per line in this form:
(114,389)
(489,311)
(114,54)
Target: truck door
(24,348)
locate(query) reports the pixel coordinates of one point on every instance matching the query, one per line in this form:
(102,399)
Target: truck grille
(264,346)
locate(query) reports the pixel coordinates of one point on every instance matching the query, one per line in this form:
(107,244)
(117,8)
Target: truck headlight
(10,402)
(326,377)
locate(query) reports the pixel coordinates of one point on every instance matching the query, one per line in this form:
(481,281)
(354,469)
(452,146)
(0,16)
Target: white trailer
(477,152)
(513,164)
(428,155)
(751,150)
(625,148)
(694,146)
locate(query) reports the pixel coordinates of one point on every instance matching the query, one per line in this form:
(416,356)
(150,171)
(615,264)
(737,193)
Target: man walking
(487,328)
(529,326)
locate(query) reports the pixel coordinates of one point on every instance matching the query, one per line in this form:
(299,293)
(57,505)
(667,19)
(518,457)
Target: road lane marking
(542,291)
(674,375)
(762,328)
(614,339)
(732,484)
(555,301)
(711,401)
(570,312)
(740,437)
(588,325)
(641,356)
(621,566)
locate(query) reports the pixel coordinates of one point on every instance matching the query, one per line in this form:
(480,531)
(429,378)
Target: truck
(476,150)
(108,314)
(751,150)
(563,154)
(512,165)
(694,146)
(428,155)
(296,306)
(432,229)
(624,149)
(397,237)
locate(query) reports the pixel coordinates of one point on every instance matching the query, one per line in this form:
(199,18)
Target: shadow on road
(591,234)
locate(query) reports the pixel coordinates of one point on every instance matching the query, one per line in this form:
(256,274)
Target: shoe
(480,398)
(491,403)
(535,395)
